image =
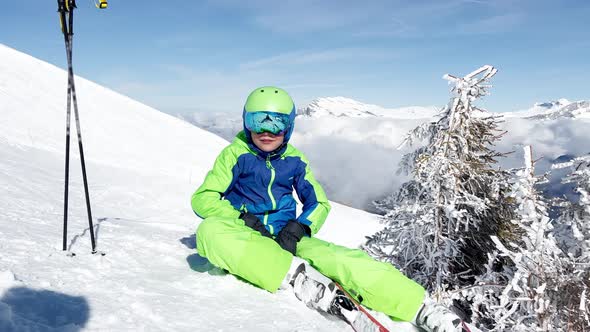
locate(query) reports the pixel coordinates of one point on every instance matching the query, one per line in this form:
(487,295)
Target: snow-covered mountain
(346,107)
(578,109)
(142,167)
(561,108)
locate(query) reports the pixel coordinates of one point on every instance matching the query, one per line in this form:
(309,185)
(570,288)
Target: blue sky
(182,56)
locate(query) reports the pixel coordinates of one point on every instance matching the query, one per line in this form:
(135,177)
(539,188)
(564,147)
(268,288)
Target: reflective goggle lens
(269,122)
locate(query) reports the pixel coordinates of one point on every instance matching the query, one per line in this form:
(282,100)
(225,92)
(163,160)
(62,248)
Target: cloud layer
(356,159)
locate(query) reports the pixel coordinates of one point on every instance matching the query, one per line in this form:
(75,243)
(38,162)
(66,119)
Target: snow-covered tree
(523,296)
(576,215)
(575,219)
(439,224)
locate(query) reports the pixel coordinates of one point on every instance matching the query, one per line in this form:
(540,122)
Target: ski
(466,327)
(352,312)
(360,319)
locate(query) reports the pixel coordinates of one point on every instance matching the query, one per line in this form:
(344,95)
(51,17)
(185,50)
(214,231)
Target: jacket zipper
(274,203)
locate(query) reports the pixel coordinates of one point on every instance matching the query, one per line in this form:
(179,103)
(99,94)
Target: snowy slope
(142,168)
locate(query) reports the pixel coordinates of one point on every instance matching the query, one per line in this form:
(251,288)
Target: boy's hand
(253,222)
(290,235)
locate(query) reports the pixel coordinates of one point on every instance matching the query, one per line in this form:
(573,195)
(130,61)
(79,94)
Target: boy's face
(267,142)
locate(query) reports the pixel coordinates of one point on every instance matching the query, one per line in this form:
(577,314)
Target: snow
(539,108)
(346,107)
(561,108)
(142,168)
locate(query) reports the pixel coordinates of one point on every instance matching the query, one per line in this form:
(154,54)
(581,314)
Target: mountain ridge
(348,107)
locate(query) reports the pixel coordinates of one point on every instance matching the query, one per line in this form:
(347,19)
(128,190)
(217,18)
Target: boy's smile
(267,142)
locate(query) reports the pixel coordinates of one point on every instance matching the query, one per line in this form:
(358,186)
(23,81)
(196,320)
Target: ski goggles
(267,122)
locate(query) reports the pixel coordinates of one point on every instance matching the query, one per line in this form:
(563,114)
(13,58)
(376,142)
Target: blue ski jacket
(246,179)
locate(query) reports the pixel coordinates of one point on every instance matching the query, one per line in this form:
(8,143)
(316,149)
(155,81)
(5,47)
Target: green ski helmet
(269,109)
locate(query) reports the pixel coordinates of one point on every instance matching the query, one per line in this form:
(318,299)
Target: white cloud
(315,57)
(348,17)
(492,24)
(394,27)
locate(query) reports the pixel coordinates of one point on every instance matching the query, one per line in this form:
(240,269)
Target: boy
(250,226)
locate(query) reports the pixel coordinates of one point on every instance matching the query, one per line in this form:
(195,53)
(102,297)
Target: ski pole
(67,25)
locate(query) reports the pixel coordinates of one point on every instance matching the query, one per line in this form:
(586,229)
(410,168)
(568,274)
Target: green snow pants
(231,245)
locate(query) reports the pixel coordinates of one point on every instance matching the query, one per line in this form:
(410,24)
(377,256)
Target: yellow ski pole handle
(101,4)
(61,24)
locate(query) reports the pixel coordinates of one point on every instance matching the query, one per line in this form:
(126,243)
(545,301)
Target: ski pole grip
(101,4)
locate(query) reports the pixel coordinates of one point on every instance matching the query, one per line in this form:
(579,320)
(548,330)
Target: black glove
(291,234)
(253,222)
